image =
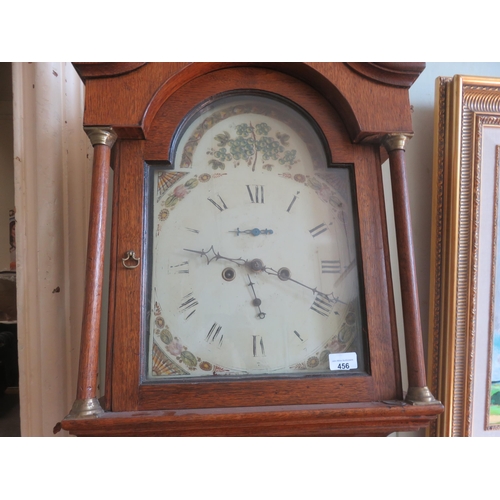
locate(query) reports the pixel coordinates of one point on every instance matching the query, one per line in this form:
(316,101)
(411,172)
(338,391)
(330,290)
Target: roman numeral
(298,335)
(316,231)
(330,266)
(213,335)
(182,268)
(322,306)
(256,344)
(258,195)
(291,204)
(188,302)
(215,204)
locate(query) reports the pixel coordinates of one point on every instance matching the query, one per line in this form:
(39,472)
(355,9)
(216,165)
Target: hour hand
(211,255)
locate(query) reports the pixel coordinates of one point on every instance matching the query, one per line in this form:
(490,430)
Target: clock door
(248,230)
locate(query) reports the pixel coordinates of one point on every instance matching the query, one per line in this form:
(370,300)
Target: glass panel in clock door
(254,262)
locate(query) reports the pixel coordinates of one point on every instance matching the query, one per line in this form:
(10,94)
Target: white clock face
(254,266)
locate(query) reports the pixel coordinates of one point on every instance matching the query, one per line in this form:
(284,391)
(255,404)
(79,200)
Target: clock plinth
(257,298)
(358,419)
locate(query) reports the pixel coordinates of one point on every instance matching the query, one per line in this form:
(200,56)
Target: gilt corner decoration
(464,330)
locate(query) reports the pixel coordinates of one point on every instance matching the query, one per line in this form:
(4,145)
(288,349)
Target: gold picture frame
(465,258)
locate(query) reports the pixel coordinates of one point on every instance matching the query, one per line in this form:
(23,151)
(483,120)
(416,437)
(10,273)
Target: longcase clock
(250,286)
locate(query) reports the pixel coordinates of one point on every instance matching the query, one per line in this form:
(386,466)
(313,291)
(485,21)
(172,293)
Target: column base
(420,396)
(85,408)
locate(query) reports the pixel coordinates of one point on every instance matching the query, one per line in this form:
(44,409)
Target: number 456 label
(343,361)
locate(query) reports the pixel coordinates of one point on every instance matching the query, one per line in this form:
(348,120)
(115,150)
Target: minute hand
(285,276)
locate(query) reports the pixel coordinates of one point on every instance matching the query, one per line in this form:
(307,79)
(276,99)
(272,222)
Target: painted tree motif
(249,142)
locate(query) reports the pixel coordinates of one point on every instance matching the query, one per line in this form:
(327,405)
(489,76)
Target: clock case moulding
(132,111)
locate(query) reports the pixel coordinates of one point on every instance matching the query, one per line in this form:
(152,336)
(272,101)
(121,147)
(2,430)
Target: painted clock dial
(253,259)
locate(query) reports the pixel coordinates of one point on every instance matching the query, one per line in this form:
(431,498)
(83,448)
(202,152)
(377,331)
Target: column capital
(395,141)
(101,135)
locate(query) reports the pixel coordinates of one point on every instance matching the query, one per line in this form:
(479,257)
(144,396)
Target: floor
(10,425)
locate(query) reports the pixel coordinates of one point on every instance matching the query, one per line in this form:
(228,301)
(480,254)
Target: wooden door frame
(52,158)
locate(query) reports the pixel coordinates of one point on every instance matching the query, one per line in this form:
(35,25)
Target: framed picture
(464,330)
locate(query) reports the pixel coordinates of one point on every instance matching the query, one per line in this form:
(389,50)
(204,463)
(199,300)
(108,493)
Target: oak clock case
(250,285)
(253,255)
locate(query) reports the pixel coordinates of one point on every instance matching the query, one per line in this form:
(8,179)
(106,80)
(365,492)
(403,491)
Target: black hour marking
(222,201)
(215,204)
(316,231)
(214,333)
(254,346)
(322,306)
(291,204)
(258,195)
(330,266)
(188,302)
(250,193)
(182,268)
(298,335)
